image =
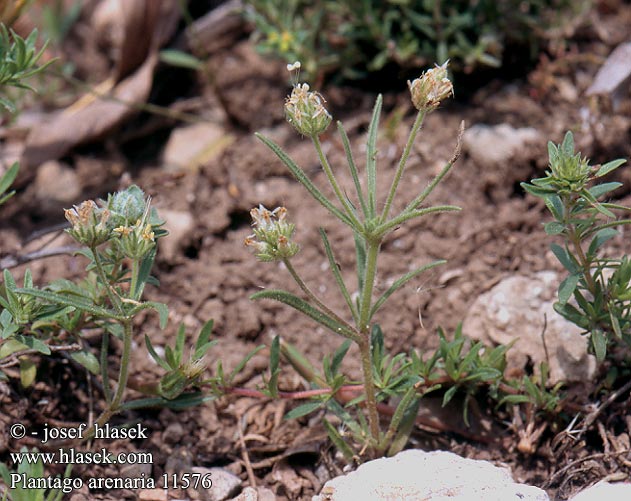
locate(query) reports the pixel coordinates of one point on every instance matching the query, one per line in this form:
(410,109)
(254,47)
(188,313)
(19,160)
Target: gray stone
(56,183)
(192,146)
(490,145)
(517,309)
(413,475)
(180,224)
(258,494)
(224,484)
(605,490)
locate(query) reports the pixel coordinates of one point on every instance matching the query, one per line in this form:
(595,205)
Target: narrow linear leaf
(401,282)
(8,177)
(339,355)
(537,191)
(304,307)
(336,273)
(371,156)
(180,59)
(353,168)
(74,301)
(182,402)
(155,355)
(302,178)
(303,410)
(239,367)
(338,441)
(610,166)
(602,189)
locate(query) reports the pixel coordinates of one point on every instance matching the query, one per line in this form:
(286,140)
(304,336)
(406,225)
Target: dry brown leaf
(147,25)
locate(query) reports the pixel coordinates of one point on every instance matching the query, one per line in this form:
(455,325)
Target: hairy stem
(365,341)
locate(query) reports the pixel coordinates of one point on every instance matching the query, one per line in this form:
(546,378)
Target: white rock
(605,490)
(179,224)
(517,308)
(413,475)
(495,144)
(224,483)
(56,182)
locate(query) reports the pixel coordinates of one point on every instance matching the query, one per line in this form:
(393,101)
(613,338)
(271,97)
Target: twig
(16,260)
(12,359)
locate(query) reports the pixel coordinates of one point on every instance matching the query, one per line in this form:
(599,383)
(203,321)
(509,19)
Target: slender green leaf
(401,282)
(201,345)
(338,441)
(155,355)
(88,360)
(303,410)
(304,307)
(74,301)
(601,189)
(567,287)
(371,157)
(336,273)
(610,166)
(8,177)
(184,401)
(537,191)
(302,178)
(600,238)
(339,355)
(353,169)
(180,59)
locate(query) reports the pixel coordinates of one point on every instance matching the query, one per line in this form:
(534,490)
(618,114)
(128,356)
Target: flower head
(272,234)
(431,88)
(89,223)
(304,109)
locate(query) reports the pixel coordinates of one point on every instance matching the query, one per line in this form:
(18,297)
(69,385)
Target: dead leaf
(147,25)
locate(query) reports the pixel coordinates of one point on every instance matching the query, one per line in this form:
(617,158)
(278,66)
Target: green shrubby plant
(357,37)
(596,294)
(18,62)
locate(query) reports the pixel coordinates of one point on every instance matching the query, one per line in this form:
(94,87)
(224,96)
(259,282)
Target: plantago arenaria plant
(119,239)
(370,226)
(600,286)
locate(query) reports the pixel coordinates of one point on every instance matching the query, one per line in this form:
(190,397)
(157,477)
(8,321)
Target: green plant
(272,241)
(362,36)
(34,470)
(119,239)
(600,286)
(18,62)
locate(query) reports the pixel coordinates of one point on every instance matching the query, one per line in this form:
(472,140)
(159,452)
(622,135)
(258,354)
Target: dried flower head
(304,109)
(89,223)
(431,88)
(272,234)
